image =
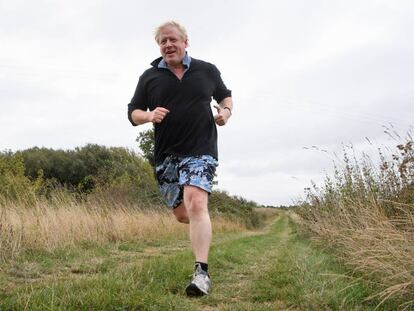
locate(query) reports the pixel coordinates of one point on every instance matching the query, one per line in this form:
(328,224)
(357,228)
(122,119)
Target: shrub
(14,185)
(366,213)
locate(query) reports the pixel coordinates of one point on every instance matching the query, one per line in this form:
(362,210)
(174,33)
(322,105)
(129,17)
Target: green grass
(273,269)
(306,278)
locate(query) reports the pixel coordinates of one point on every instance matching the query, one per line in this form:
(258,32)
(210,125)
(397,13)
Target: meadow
(85,229)
(364,214)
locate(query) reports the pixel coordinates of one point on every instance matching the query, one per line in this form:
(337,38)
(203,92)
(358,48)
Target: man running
(175,95)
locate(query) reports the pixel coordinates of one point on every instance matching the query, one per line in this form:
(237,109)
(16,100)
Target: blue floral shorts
(176,172)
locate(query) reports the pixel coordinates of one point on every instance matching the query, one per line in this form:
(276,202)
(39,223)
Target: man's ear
(186,43)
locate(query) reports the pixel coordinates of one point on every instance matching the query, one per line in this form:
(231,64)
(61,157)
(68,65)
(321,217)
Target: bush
(366,213)
(100,176)
(14,185)
(235,208)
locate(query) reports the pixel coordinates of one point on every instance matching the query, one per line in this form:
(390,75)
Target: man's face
(172,45)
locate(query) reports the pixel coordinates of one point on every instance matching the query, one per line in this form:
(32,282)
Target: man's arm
(224,111)
(139,116)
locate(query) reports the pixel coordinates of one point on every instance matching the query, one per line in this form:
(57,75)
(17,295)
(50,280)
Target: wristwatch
(228,108)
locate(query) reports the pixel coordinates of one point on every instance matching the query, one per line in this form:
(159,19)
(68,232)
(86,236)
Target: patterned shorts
(176,172)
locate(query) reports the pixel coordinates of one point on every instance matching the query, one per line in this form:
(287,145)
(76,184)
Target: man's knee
(183,219)
(196,199)
(180,214)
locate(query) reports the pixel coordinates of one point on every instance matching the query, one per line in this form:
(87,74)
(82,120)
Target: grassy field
(364,212)
(265,269)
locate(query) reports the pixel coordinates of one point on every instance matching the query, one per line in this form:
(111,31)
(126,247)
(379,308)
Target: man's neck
(178,66)
(177,70)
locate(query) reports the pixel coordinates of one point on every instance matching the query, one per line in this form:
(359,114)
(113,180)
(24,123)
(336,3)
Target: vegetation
(51,199)
(271,269)
(235,208)
(114,176)
(83,173)
(145,141)
(81,221)
(365,213)
(109,172)
(14,185)
(85,229)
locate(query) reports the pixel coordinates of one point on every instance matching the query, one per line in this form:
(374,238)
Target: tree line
(91,169)
(112,175)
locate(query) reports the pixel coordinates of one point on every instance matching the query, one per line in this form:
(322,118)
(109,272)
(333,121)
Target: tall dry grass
(47,227)
(366,214)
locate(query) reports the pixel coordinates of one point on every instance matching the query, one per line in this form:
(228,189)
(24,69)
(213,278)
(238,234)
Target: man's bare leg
(180,213)
(196,206)
(194,210)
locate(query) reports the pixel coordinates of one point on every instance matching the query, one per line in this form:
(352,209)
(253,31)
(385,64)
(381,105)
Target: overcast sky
(303,73)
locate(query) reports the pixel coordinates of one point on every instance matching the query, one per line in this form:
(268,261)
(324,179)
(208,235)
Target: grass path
(272,269)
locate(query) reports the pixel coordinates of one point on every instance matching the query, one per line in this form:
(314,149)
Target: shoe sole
(193,291)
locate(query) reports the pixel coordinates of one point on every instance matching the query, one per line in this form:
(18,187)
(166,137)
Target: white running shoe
(200,284)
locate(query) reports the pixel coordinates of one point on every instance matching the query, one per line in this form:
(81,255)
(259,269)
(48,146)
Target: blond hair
(180,28)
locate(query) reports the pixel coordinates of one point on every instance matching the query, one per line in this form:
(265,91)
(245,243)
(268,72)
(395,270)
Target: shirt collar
(186,62)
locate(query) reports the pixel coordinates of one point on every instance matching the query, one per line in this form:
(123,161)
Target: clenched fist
(222,115)
(158,114)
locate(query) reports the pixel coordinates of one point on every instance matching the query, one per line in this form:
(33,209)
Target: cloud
(303,74)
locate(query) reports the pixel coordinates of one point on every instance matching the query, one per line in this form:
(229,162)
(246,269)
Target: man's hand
(158,114)
(222,115)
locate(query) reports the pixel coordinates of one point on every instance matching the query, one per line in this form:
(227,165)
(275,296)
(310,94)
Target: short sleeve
(221,91)
(139,100)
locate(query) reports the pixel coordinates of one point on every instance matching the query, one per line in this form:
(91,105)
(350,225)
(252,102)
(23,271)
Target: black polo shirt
(189,129)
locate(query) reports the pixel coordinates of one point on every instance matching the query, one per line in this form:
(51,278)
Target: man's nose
(168,43)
